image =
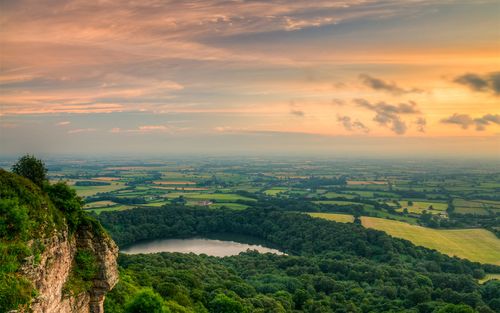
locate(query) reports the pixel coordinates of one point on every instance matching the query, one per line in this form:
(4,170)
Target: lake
(213,247)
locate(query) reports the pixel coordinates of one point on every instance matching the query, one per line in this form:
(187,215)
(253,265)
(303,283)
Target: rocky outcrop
(55,265)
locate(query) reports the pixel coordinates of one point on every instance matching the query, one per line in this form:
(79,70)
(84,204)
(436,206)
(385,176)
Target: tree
(32,168)
(147,301)
(224,304)
(454,308)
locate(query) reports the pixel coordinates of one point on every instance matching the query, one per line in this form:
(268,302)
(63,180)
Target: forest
(330,267)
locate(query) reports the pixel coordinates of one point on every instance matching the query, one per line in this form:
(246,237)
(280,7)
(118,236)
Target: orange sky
(364,68)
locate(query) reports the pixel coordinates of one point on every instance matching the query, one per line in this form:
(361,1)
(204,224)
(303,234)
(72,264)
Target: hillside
(53,257)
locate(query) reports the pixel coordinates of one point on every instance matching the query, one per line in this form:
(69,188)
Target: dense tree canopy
(331,267)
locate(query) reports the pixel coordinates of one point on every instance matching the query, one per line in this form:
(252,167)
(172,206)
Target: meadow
(474,244)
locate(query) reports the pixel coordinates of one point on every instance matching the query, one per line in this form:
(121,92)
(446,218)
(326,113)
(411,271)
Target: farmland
(428,203)
(474,244)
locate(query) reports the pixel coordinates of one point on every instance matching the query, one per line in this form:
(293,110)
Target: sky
(158,77)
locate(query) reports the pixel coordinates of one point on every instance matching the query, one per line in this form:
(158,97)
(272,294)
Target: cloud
(481,83)
(351,125)
(81,130)
(338,102)
(145,129)
(421,123)
(379,84)
(294,110)
(487,119)
(465,120)
(64,123)
(298,113)
(153,128)
(388,114)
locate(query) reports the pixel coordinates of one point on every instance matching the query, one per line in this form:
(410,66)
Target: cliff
(55,261)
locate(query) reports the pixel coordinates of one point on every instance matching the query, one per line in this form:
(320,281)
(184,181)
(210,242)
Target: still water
(213,247)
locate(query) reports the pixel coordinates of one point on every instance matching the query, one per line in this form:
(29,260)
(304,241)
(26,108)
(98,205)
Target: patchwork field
(474,244)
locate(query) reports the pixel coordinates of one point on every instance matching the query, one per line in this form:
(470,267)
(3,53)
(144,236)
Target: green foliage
(66,200)
(83,271)
(14,220)
(221,303)
(32,168)
(146,301)
(331,267)
(453,308)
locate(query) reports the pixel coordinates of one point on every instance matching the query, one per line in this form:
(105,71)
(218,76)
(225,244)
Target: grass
(424,205)
(343,218)
(232,206)
(471,210)
(275,191)
(477,245)
(224,197)
(86,191)
(113,208)
(489,277)
(338,195)
(99,204)
(474,244)
(338,202)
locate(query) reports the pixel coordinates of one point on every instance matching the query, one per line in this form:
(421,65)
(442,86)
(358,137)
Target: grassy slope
(474,244)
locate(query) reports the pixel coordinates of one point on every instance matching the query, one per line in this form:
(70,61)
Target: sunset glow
(88,76)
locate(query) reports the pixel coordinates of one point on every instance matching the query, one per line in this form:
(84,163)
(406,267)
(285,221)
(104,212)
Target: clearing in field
(474,244)
(343,218)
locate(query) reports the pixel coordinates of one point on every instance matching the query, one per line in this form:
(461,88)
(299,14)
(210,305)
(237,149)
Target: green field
(274,191)
(99,204)
(113,208)
(85,191)
(343,218)
(474,244)
(338,195)
(233,206)
(471,210)
(225,197)
(337,202)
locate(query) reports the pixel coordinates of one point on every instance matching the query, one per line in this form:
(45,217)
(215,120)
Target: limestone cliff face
(56,263)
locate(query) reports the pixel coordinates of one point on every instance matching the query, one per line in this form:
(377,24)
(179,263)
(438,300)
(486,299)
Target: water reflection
(213,247)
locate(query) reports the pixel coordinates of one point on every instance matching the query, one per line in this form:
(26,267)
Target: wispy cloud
(63,123)
(485,83)
(81,130)
(148,129)
(465,120)
(381,85)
